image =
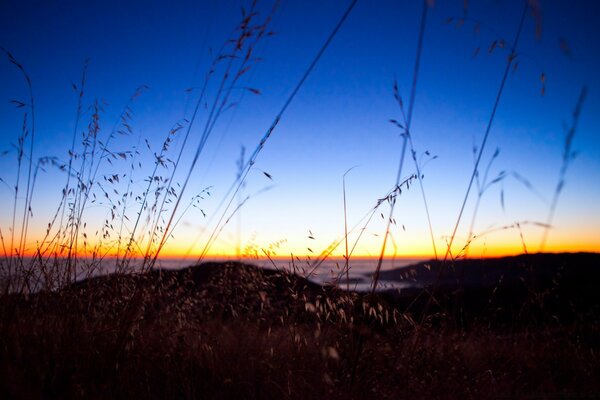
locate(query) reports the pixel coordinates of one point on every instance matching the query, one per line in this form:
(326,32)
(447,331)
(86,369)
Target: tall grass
(254,156)
(231,330)
(159,205)
(567,158)
(509,63)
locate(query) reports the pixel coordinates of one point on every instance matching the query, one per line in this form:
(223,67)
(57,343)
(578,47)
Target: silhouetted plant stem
(65,193)
(361,338)
(509,62)
(482,186)
(27,205)
(20,152)
(406,137)
(216,110)
(347,255)
(238,183)
(409,120)
(568,155)
(511,57)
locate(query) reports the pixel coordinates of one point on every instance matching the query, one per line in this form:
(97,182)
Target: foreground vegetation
(523,327)
(236,331)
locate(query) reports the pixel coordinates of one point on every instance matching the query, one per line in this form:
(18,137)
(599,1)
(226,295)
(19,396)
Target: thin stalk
(404,146)
(567,158)
(126,195)
(238,184)
(206,131)
(63,201)
(207,77)
(120,121)
(409,120)
(368,216)
(189,174)
(85,186)
(211,121)
(361,338)
(389,221)
(6,257)
(240,194)
(147,191)
(27,205)
(16,188)
(474,174)
(347,256)
(509,63)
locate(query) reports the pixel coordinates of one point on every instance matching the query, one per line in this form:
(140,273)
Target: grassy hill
(229,330)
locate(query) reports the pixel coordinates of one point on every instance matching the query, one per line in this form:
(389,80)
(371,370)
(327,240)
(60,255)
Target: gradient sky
(339,119)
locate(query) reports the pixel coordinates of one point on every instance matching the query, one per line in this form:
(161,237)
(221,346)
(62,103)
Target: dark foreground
(522,327)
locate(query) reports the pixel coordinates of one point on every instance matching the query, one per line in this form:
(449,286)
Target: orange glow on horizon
(501,244)
(488,252)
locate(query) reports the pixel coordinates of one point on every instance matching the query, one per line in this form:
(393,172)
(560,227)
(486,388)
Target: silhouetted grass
(231,330)
(520,327)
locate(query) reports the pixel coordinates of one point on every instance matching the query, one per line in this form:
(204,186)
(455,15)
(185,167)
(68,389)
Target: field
(228,330)
(504,304)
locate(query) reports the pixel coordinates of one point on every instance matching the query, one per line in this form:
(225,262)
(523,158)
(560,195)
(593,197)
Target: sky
(292,201)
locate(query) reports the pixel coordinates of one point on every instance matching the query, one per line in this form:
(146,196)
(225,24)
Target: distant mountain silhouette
(564,286)
(524,269)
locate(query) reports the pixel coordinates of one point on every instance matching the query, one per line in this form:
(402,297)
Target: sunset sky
(338,120)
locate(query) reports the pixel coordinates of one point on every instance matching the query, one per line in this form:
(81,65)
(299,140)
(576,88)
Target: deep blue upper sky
(339,118)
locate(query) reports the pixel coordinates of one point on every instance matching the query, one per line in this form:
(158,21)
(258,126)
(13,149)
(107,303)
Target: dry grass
(231,331)
(235,331)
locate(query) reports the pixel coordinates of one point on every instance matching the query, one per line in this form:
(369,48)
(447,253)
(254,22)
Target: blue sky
(338,120)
